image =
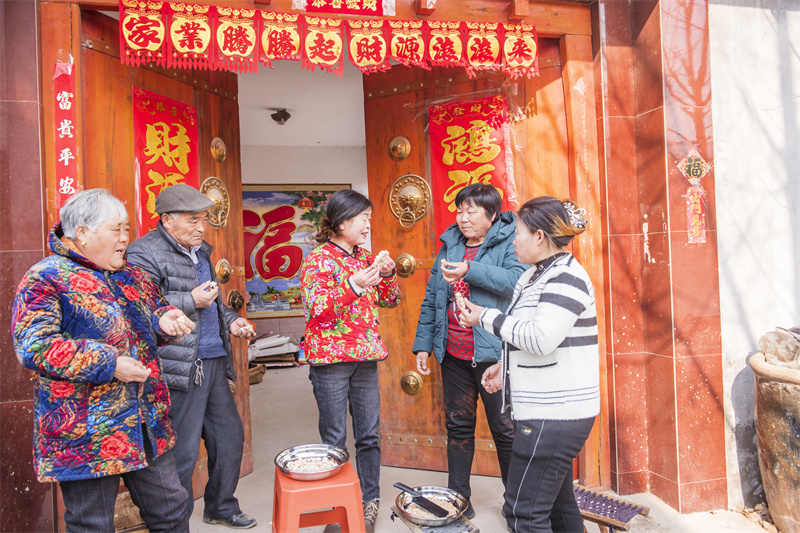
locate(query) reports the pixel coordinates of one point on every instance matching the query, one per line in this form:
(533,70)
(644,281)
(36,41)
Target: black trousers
(209,411)
(461,386)
(156,491)
(539,495)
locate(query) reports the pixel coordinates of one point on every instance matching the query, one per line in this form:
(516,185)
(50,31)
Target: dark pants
(156,491)
(355,384)
(461,385)
(539,495)
(209,411)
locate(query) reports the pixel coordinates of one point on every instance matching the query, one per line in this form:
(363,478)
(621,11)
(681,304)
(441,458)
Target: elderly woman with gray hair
(87,324)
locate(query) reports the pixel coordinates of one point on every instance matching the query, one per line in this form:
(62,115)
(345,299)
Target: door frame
(568,21)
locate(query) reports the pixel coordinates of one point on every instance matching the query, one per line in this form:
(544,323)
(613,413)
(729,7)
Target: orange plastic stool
(294,499)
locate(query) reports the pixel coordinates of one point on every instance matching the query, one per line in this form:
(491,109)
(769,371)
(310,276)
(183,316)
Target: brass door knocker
(216,191)
(409,199)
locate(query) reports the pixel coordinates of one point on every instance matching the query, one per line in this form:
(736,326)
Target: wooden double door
(412,427)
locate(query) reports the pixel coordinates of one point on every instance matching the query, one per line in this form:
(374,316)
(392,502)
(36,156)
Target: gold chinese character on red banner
(483,45)
(520,50)
(190,36)
(322,45)
(368,49)
(165,150)
(468,145)
(445,47)
(280,37)
(236,39)
(143,31)
(407,42)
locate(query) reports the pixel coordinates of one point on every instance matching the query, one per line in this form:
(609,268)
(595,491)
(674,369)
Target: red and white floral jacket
(342,326)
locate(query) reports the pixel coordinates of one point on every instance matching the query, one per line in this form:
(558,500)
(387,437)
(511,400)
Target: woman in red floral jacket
(87,324)
(341,285)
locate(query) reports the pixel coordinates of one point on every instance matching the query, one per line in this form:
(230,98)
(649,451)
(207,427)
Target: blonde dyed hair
(559,220)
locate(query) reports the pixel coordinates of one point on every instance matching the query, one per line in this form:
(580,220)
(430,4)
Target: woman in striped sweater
(549,372)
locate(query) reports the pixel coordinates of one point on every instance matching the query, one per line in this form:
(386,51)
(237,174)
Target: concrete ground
(284,414)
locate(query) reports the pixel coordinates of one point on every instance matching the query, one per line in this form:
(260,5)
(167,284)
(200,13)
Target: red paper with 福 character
(469,144)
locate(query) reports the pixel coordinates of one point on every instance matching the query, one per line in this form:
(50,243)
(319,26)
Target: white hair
(90,208)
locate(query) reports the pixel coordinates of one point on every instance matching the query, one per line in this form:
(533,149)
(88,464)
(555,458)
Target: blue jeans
(539,495)
(355,384)
(156,491)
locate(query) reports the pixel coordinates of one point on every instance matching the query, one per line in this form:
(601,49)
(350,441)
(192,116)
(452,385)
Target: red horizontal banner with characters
(469,144)
(181,35)
(384,8)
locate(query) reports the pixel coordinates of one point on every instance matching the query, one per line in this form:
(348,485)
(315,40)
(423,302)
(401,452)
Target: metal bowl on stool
(311,451)
(456,499)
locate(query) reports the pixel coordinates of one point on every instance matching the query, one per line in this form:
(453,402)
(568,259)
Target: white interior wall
(322,142)
(755,79)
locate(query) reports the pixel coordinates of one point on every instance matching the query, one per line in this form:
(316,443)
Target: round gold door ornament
(409,199)
(216,191)
(406,265)
(218,149)
(399,148)
(223,270)
(411,383)
(235,300)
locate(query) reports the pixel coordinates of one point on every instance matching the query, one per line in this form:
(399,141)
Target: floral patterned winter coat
(70,321)
(342,326)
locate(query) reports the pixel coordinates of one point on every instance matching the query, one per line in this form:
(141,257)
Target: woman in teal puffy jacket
(476,260)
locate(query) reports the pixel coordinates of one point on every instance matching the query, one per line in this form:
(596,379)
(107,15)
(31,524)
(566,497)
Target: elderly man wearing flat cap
(197,367)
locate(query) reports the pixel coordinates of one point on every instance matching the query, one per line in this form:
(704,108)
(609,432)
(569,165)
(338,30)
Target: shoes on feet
(370,514)
(469,512)
(237,521)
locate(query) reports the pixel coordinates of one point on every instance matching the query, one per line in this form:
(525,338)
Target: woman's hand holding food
(242,328)
(388,266)
(129,369)
(175,324)
(454,271)
(422,363)
(369,277)
(492,380)
(469,313)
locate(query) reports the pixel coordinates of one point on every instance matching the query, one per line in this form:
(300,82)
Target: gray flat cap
(182,198)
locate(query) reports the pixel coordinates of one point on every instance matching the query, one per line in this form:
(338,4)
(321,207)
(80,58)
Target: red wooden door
(106,153)
(412,427)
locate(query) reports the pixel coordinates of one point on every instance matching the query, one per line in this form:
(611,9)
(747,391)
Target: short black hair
(482,195)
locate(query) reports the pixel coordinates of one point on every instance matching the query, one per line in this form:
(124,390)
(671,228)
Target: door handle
(407,265)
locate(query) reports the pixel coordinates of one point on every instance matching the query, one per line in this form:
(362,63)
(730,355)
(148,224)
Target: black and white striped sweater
(551,358)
